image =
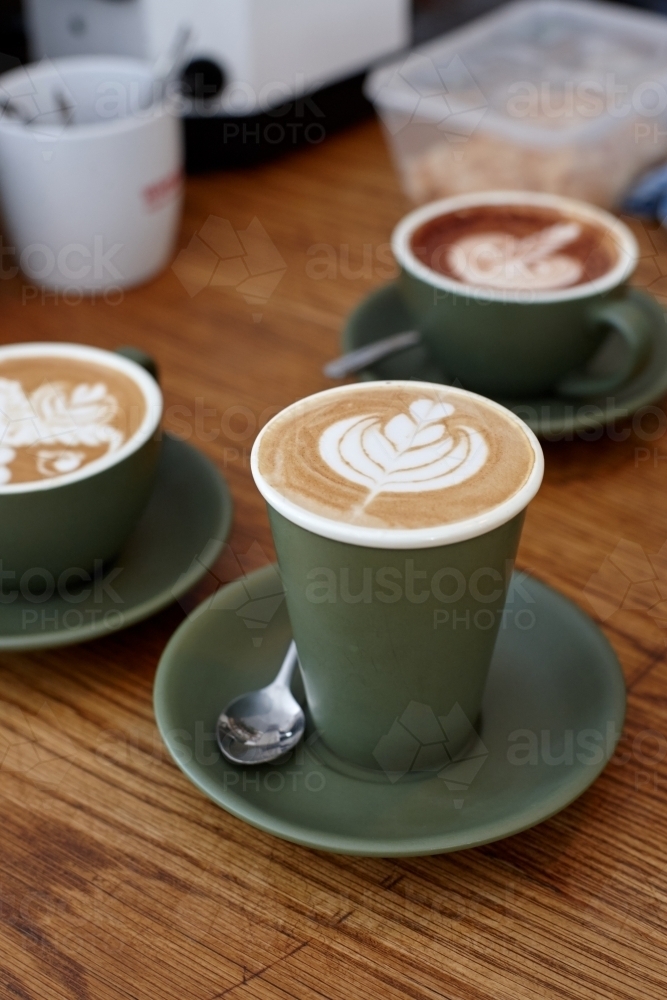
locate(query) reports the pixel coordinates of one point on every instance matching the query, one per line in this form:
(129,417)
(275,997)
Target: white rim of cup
(149,388)
(399,538)
(622,235)
(53,68)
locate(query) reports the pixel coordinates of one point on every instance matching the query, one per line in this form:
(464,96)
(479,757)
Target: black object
(13,49)
(214,142)
(202,81)
(431,18)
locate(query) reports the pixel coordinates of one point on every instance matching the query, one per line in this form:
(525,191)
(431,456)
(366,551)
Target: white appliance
(267,51)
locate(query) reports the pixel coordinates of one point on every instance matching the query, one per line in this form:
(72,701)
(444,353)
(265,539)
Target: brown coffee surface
(481,245)
(59,414)
(397,457)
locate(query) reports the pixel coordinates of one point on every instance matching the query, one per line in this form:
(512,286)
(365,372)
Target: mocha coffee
(397,457)
(59,414)
(515,247)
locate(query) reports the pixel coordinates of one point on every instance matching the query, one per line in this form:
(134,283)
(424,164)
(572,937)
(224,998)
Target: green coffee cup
(518,343)
(92,475)
(389,621)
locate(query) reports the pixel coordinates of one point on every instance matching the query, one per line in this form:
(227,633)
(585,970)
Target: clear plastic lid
(537,71)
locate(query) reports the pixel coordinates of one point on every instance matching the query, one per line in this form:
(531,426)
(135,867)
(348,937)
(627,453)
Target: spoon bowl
(262,726)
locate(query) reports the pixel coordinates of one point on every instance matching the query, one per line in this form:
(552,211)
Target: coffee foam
(395,457)
(59,414)
(515,248)
(497,260)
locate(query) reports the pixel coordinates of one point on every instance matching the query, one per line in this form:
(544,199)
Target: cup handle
(633,322)
(140,358)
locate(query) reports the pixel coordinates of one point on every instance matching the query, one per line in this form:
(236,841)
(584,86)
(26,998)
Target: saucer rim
(545,427)
(298,833)
(165,596)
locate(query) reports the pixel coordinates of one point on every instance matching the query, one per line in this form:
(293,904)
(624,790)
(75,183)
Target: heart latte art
(395,457)
(58,415)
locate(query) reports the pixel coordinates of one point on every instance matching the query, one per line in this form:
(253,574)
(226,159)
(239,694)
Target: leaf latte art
(412,453)
(395,455)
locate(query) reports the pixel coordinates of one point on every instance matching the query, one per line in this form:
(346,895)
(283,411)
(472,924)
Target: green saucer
(177,540)
(552,715)
(383,313)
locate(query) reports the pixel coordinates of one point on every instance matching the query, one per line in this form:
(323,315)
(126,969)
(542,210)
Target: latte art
(515,248)
(395,455)
(59,463)
(499,260)
(52,413)
(57,416)
(412,453)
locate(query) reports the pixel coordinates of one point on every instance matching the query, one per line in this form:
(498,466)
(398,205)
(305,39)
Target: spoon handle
(289,663)
(357,360)
(167,65)
(65,111)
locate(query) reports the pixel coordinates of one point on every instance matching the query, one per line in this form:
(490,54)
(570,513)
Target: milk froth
(59,415)
(394,456)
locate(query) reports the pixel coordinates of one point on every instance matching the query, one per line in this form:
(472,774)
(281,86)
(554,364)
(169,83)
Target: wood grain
(119,881)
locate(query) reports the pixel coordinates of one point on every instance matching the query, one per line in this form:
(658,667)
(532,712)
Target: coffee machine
(260,75)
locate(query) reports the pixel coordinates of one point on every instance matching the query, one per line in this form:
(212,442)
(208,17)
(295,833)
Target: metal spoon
(168,65)
(263,725)
(65,110)
(356,361)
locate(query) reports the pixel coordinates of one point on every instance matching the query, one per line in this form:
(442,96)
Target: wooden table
(118,879)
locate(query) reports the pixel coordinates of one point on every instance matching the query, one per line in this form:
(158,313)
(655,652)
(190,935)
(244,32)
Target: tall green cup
(515,343)
(389,620)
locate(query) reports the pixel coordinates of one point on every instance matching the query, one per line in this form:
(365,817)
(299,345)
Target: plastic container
(565,96)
